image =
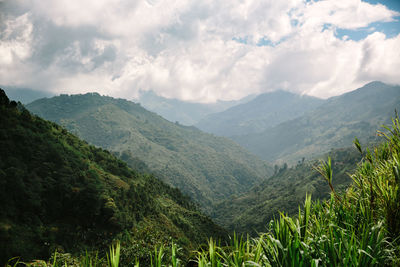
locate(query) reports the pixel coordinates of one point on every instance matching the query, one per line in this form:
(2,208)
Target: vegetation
(359,227)
(332,125)
(206,167)
(59,193)
(284,192)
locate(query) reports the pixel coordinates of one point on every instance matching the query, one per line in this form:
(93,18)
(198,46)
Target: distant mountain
(334,124)
(25,95)
(59,193)
(186,113)
(206,167)
(284,192)
(266,110)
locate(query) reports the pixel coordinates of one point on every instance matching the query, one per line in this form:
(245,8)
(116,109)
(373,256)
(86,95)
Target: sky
(199,51)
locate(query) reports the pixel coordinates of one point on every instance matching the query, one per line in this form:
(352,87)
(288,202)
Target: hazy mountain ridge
(206,167)
(334,124)
(186,113)
(58,192)
(264,111)
(25,95)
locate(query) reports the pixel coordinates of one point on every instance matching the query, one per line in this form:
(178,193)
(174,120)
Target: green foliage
(284,192)
(359,228)
(113,257)
(203,166)
(58,193)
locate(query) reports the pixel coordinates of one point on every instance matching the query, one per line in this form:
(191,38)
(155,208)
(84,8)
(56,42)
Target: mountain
(332,125)
(284,192)
(186,113)
(265,111)
(25,95)
(206,167)
(59,193)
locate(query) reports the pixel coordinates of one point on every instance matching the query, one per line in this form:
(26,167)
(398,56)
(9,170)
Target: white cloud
(187,49)
(349,14)
(15,39)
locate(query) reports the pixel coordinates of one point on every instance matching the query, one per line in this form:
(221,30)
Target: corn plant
(114,255)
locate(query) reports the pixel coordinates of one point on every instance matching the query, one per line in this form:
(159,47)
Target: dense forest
(59,193)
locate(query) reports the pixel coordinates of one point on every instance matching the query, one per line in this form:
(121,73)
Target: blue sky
(199,51)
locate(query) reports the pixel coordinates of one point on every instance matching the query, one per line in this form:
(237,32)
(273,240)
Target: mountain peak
(375,83)
(264,111)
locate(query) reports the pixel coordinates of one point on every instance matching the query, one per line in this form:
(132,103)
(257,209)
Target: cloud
(194,50)
(16,38)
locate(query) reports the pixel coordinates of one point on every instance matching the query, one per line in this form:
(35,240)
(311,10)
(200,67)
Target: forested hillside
(59,193)
(332,125)
(206,167)
(284,192)
(259,114)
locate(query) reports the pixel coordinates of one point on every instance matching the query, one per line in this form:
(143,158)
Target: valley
(205,167)
(118,195)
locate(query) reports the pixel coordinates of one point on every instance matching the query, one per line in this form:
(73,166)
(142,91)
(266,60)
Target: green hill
(284,192)
(206,167)
(59,193)
(332,125)
(265,111)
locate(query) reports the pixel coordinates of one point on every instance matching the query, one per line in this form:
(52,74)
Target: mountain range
(45,169)
(184,112)
(333,124)
(206,167)
(264,111)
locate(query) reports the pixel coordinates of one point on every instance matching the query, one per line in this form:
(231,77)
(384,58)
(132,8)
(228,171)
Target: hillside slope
(58,192)
(266,110)
(332,125)
(284,192)
(206,167)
